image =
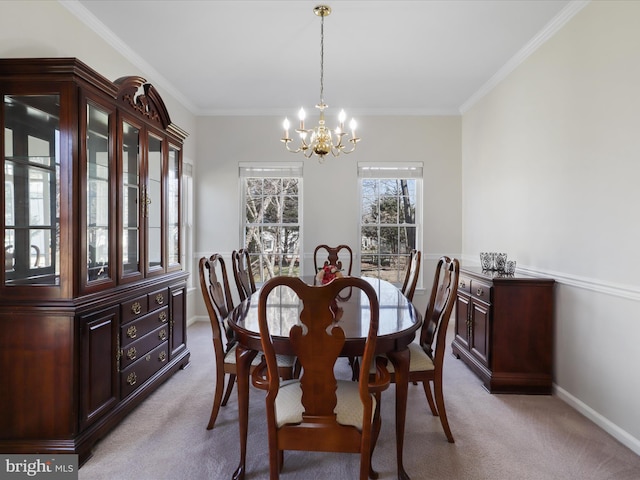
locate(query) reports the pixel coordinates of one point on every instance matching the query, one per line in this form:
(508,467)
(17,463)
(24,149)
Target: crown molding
(536,42)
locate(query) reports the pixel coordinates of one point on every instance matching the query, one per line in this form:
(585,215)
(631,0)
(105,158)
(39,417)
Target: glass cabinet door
(153,203)
(98,201)
(173,207)
(31,189)
(130,157)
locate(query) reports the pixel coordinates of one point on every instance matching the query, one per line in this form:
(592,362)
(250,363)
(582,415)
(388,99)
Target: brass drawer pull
(162,335)
(160,299)
(132,332)
(136,308)
(462,285)
(162,356)
(132,378)
(479,292)
(132,353)
(162,317)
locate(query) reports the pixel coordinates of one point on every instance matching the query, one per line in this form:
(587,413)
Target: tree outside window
(271,227)
(388,228)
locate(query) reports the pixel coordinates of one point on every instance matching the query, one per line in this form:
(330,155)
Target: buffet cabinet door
(99,365)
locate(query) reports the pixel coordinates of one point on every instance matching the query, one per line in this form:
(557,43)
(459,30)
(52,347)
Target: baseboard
(612,429)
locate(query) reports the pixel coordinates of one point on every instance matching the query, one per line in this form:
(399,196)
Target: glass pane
(173,207)
(130,196)
(154,203)
(32,189)
(98,202)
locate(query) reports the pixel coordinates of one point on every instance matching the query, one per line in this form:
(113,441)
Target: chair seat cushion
(349,408)
(283,360)
(419,360)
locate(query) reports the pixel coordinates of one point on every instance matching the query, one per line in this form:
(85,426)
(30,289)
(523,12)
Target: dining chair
(242,273)
(427,359)
(334,256)
(214,284)
(412,274)
(318,412)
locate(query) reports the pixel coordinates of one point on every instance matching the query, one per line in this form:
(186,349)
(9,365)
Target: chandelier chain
(322,60)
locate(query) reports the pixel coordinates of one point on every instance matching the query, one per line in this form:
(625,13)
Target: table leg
(244,358)
(400,361)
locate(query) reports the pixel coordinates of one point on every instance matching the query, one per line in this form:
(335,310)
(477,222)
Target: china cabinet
(504,330)
(92,294)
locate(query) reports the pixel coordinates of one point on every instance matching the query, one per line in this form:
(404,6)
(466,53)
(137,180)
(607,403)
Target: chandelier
(319,140)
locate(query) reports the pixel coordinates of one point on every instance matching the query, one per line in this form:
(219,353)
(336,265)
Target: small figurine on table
(328,273)
(325,275)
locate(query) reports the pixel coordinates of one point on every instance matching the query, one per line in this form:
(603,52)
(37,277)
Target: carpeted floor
(510,437)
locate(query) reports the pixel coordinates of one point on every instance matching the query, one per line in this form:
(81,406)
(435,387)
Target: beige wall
(330,190)
(551,161)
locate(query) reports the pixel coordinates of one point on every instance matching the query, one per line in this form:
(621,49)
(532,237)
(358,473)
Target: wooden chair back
(242,273)
(412,274)
(324,255)
(441,302)
(317,342)
(216,293)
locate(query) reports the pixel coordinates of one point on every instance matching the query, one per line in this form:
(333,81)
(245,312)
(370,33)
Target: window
(186,253)
(272,206)
(389,211)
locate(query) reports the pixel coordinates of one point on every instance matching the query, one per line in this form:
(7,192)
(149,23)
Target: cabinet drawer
(142,346)
(158,299)
(134,308)
(139,328)
(464,284)
(143,368)
(481,291)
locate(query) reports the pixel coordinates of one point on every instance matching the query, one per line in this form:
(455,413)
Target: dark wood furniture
(412,274)
(504,330)
(243,273)
(399,321)
(319,412)
(427,355)
(324,255)
(214,284)
(93,319)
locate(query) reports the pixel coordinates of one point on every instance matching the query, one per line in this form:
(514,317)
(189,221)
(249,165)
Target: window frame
(391,171)
(274,171)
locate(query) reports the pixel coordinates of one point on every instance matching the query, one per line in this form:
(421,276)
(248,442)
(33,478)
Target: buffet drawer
(142,369)
(481,291)
(142,346)
(464,284)
(135,330)
(158,299)
(135,308)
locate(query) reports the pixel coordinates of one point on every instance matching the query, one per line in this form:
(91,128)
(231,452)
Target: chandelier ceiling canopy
(320,140)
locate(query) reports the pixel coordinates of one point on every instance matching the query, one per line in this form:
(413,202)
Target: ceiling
(380,57)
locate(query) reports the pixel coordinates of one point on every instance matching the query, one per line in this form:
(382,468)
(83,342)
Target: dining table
(398,322)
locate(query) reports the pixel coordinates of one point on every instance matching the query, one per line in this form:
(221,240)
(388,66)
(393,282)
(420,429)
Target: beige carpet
(510,437)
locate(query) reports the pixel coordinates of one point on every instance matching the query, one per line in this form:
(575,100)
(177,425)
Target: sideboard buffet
(504,330)
(92,294)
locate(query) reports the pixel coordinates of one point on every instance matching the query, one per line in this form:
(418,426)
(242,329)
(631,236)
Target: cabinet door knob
(462,284)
